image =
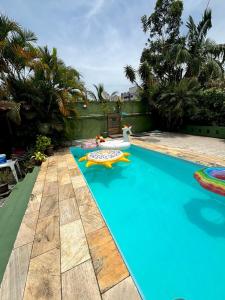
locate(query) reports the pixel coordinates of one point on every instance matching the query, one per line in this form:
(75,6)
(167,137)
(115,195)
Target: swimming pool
(170,231)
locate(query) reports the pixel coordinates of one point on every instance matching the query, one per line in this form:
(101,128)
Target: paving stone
(50,188)
(27,230)
(47,235)
(49,206)
(125,290)
(83,195)
(43,281)
(78,182)
(108,263)
(66,191)
(80,283)
(74,248)
(34,203)
(14,280)
(68,211)
(91,217)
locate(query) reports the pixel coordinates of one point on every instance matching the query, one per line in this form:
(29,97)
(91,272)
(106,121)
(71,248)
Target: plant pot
(30,169)
(49,150)
(4,187)
(38,162)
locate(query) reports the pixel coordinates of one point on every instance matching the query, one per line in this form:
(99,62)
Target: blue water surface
(170,231)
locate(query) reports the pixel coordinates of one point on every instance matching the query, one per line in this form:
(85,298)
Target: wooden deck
(64,249)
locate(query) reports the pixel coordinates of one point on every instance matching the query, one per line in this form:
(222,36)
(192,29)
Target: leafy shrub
(38,156)
(42,142)
(210,108)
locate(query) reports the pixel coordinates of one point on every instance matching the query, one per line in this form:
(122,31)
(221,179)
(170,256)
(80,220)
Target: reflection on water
(208,215)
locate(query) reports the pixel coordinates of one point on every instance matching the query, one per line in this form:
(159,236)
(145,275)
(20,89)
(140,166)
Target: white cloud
(99,37)
(96,6)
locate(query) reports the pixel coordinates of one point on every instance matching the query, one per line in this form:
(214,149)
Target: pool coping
(60,176)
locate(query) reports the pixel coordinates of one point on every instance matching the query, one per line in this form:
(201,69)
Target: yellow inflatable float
(104,157)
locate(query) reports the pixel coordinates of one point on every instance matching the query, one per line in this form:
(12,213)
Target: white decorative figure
(126,133)
(119,144)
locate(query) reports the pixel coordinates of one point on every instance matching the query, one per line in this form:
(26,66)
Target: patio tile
(14,279)
(34,203)
(68,211)
(74,172)
(80,283)
(27,230)
(47,235)
(78,182)
(41,176)
(50,188)
(66,191)
(99,238)
(51,176)
(38,187)
(49,206)
(108,264)
(91,217)
(83,195)
(61,164)
(126,289)
(74,248)
(64,179)
(43,281)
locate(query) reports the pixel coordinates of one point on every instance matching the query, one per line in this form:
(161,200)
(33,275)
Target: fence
(211,131)
(92,120)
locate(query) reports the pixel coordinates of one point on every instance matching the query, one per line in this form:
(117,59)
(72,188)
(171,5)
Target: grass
(11,215)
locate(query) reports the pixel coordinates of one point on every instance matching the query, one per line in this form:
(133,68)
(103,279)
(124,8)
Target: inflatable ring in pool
(104,157)
(212,179)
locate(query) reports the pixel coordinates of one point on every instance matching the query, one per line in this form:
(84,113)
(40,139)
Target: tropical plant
(42,142)
(100,94)
(38,156)
(37,90)
(173,66)
(178,102)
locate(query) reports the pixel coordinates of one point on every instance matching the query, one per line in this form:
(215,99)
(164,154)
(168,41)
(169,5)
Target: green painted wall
(92,120)
(212,131)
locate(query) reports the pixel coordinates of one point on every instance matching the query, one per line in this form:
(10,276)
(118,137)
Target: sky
(100,37)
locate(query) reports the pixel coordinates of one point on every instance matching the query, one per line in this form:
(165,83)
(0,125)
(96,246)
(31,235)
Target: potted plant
(39,158)
(4,184)
(44,145)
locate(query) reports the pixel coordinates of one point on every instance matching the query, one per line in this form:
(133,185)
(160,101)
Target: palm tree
(203,61)
(177,101)
(100,94)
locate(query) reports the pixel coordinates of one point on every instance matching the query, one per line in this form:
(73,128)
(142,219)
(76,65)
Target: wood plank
(66,191)
(68,211)
(27,230)
(49,206)
(14,279)
(43,281)
(80,283)
(74,248)
(47,235)
(126,289)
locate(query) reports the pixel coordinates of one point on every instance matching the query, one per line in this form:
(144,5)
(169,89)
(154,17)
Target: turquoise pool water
(170,231)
